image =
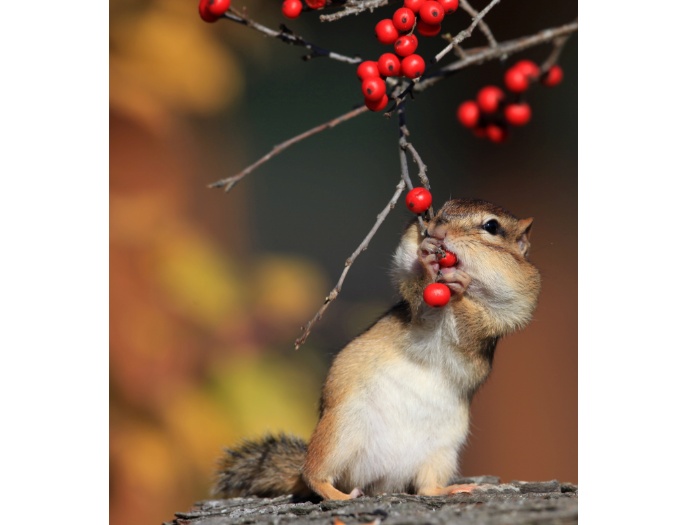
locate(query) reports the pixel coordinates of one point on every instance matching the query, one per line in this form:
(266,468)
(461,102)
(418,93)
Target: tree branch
(355,7)
(230,182)
(362,247)
(288,37)
(466,6)
(466,33)
(484,54)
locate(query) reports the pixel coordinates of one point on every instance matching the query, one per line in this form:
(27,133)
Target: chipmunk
(395,406)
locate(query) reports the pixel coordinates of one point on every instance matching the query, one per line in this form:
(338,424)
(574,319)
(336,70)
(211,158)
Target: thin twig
(466,32)
(230,182)
(423,169)
(355,7)
(362,247)
(286,36)
(402,141)
(485,29)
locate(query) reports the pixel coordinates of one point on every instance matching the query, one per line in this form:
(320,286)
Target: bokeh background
(208,290)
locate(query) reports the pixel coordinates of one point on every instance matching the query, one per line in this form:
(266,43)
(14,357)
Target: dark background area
(208,290)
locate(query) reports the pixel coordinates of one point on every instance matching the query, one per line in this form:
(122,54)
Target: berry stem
(557,47)
(348,263)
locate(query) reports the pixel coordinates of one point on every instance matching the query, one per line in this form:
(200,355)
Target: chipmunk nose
(438,232)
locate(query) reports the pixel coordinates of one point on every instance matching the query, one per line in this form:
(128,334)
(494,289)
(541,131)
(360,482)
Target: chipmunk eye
(492,226)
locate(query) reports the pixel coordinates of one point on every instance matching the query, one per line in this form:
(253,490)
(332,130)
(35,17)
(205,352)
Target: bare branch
(230,182)
(474,56)
(484,54)
(288,37)
(481,25)
(466,32)
(362,247)
(355,7)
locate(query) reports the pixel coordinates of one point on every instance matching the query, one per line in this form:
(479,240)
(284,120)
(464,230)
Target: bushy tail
(268,467)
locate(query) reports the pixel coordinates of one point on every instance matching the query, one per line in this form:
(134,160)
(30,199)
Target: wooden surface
(492,503)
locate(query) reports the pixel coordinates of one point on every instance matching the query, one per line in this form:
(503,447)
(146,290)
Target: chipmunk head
(492,246)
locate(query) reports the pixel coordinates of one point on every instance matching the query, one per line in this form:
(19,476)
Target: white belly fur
(408,415)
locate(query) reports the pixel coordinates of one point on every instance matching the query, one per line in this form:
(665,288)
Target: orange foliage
(193,327)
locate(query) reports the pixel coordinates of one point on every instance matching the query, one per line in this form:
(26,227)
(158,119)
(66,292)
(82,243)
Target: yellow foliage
(287,290)
(263,393)
(197,277)
(166,58)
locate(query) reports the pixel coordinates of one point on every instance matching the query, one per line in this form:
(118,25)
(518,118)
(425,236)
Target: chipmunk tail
(268,467)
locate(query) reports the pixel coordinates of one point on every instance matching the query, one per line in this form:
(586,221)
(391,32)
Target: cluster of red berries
(422,16)
(418,200)
(491,113)
(212,10)
(293,8)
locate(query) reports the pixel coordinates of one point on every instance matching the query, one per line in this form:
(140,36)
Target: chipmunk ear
(523,236)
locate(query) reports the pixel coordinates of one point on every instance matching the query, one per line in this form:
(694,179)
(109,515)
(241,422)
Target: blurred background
(208,290)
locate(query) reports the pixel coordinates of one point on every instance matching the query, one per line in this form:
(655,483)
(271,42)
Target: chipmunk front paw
(457,280)
(428,252)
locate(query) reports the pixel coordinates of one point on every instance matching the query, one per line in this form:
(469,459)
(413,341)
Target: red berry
(515,80)
(406,45)
(448,260)
(386,31)
(204,12)
(496,133)
(553,77)
(413,5)
(389,65)
(425,29)
(468,114)
(292,8)
(436,294)
(316,4)
(413,66)
(518,114)
(450,6)
(404,19)
(218,7)
(431,12)
(528,68)
(418,200)
(377,105)
(373,88)
(489,98)
(366,69)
